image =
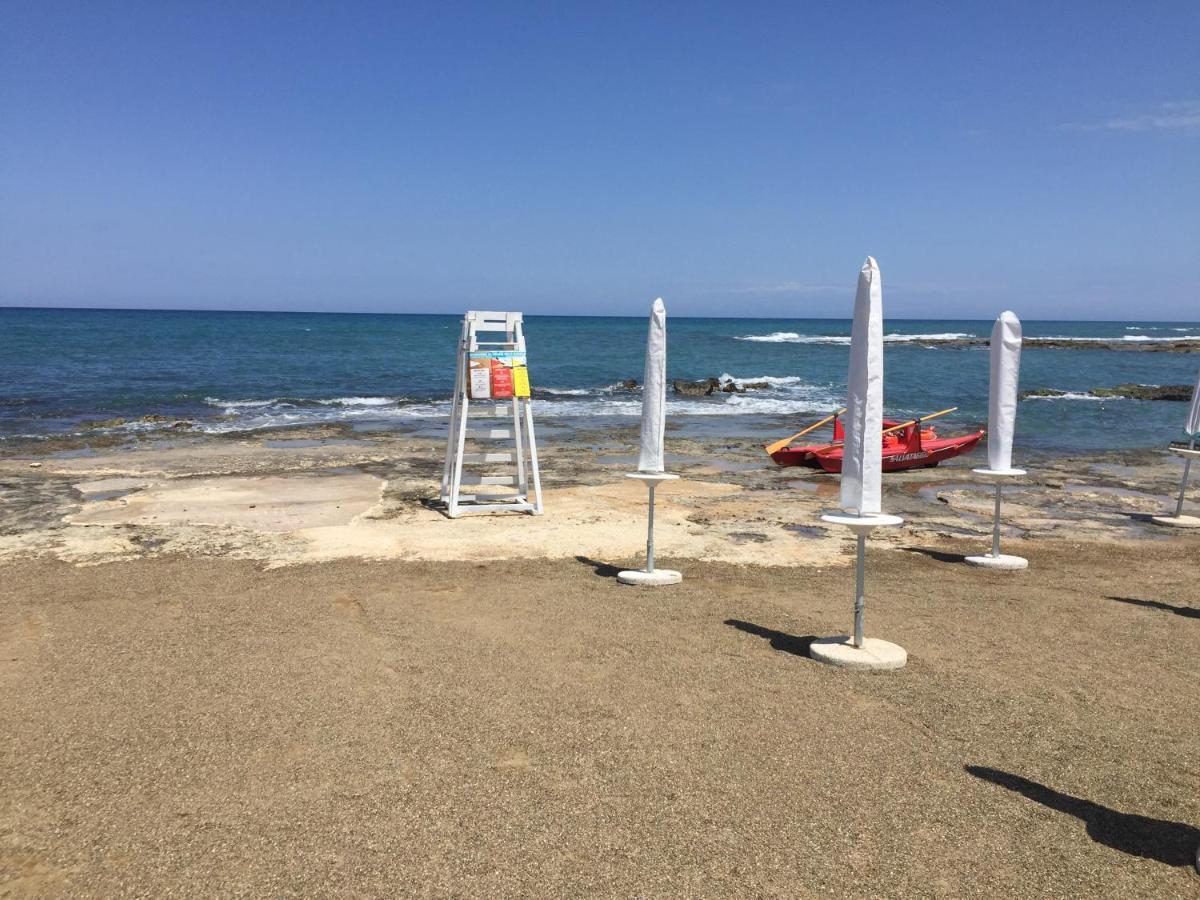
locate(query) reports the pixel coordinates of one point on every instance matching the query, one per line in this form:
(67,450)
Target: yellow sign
(520,377)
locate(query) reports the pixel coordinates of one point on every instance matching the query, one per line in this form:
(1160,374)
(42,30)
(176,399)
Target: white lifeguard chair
(519,449)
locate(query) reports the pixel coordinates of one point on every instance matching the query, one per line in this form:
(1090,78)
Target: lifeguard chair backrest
(478,321)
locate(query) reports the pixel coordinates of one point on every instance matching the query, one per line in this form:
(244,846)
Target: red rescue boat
(906,445)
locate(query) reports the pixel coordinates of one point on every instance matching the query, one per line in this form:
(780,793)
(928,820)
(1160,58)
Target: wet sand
(266,666)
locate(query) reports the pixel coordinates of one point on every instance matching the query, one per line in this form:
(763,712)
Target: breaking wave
(783,395)
(775,381)
(232,405)
(792,337)
(1071,395)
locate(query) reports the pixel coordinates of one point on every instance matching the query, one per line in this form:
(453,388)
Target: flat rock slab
(1003,562)
(93,490)
(1177,521)
(273,503)
(650,579)
(874,654)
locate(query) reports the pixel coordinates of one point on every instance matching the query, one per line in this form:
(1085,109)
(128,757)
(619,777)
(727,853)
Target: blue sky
(737,159)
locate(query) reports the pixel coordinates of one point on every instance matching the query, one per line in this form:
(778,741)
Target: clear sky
(735,158)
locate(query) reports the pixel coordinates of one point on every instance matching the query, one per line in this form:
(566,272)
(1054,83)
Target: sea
(87,372)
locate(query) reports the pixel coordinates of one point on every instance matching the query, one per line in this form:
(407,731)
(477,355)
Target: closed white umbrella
(1192,429)
(1005,370)
(863,421)
(862,468)
(650,454)
(654,392)
(1193,422)
(1002,392)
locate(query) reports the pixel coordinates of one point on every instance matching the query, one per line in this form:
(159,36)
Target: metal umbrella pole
(650,485)
(860,590)
(996,559)
(996,527)
(1187,465)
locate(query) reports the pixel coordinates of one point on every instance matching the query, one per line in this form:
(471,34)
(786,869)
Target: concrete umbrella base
(650,576)
(871,653)
(1003,562)
(874,654)
(1177,521)
(657,577)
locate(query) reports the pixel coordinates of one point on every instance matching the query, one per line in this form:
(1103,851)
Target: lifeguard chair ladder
(517,433)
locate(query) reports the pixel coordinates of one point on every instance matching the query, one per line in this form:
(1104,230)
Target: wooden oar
(893,428)
(779,445)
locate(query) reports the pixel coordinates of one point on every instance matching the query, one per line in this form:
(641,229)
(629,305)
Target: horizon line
(307,312)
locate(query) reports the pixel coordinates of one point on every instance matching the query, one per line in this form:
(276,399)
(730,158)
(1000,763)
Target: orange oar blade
(779,445)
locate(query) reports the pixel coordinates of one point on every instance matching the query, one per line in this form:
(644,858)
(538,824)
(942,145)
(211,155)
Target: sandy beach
(617,274)
(267,665)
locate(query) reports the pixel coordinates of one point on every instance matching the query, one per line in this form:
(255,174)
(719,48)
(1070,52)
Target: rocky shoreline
(268,496)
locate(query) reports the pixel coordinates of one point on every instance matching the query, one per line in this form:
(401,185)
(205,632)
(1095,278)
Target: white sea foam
(775,381)
(240,404)
(565,392)
(788,395)
(233,405)
(360,401)
(944,336)
(778,337)
(1071,395)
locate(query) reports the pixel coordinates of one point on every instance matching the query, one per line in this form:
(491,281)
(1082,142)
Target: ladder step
(486,457)
(497,433)
(503,495)
(488,479)
(493,507)
(488,411)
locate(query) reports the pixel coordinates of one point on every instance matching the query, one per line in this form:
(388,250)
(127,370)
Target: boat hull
(901,457)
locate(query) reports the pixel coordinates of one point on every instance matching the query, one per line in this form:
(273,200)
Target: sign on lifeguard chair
(491,382)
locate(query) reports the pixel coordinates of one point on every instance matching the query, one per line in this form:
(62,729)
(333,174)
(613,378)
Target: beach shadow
(1173,843)
(1188,612)
(603,569)
(939,555)
(1142,518)
(797,645)
(435,504)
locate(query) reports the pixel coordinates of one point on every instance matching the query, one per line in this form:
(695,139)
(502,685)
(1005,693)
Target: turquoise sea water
(61,369)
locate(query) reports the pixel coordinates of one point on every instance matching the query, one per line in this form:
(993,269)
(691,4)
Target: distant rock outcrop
(709,386)
(1178,392)
(696,388)
(1185,345)
(1042,392)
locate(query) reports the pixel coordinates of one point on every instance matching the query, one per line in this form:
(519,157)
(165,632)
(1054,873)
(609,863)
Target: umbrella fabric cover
(654,392)
(863,421)
(1193,422)
(1002,393)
